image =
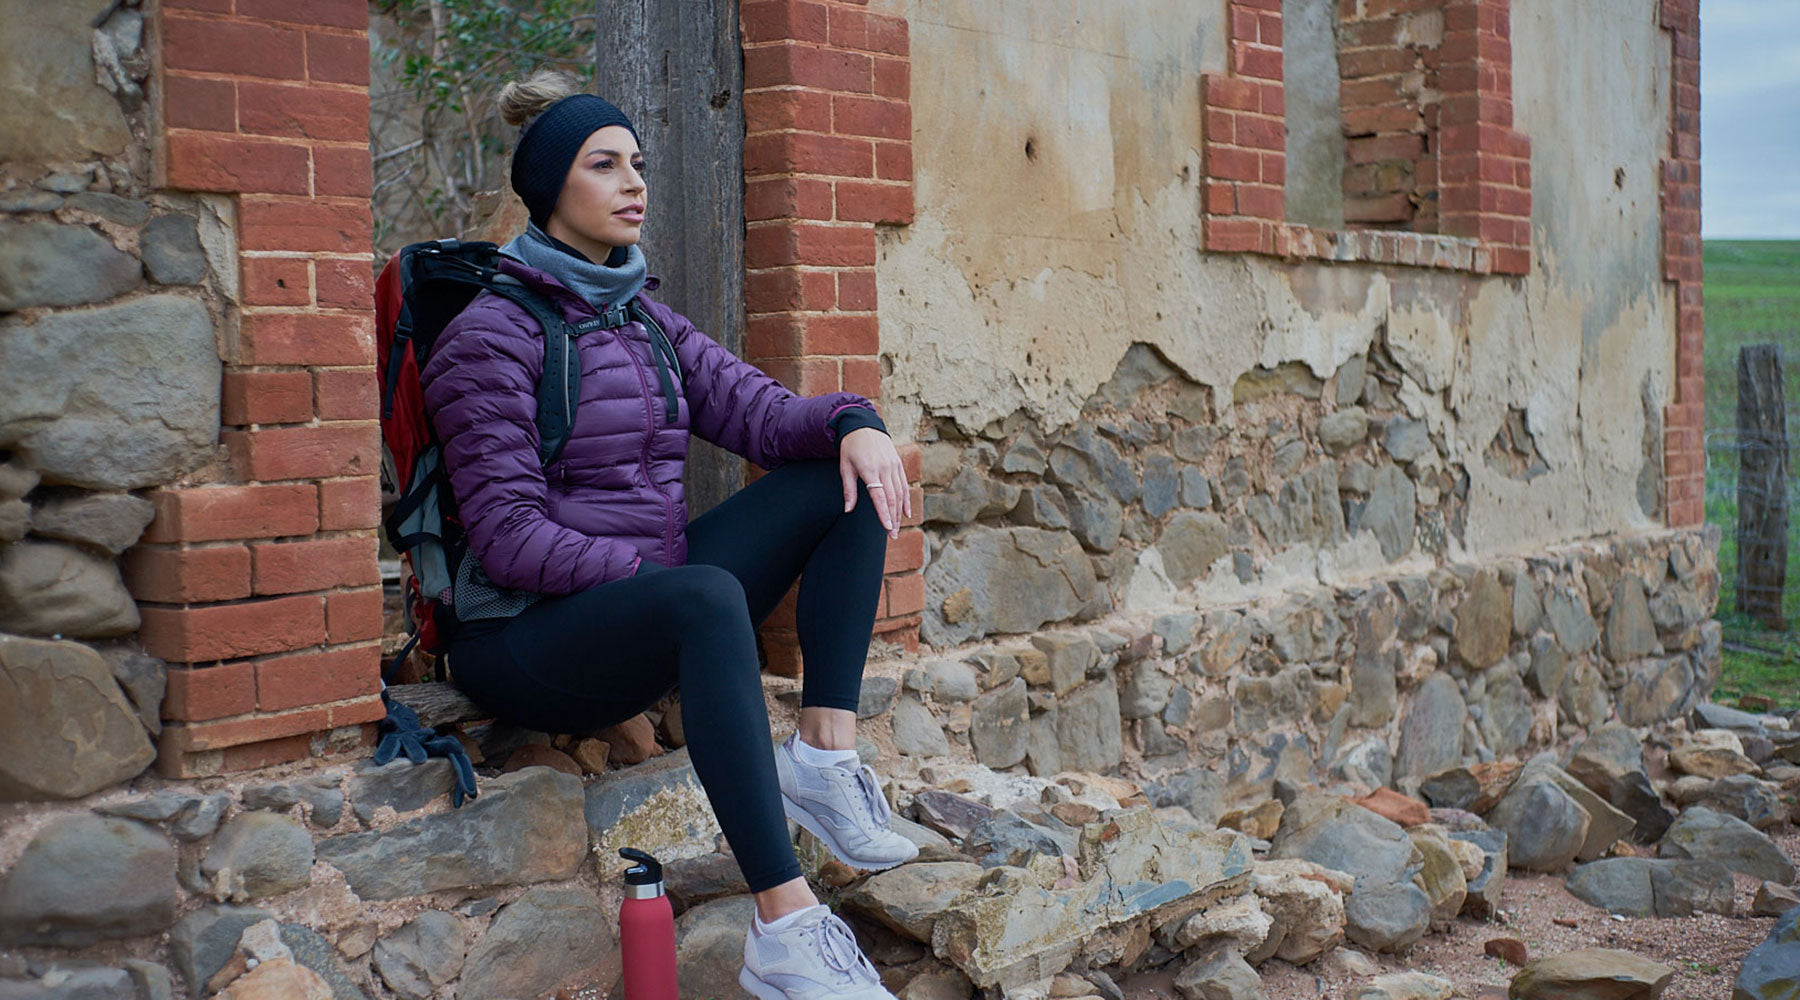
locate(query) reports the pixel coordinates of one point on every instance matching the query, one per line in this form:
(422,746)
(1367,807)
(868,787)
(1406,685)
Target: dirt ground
(1705,950)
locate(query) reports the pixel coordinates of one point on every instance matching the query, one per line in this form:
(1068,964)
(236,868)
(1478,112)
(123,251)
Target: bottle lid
(647,870)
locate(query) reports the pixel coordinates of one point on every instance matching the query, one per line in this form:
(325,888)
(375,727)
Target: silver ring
(871,486)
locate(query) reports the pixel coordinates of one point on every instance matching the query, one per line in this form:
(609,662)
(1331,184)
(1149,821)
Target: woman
(590,595)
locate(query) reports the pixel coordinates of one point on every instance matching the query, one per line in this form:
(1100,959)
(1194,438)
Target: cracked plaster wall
(1058,187)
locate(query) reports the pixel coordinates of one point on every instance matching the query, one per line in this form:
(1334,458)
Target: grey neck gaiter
(600,284)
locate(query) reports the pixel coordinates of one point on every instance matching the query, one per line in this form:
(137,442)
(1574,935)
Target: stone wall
(111,287)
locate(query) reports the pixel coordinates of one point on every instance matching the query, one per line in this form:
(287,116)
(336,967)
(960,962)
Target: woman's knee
(704,593)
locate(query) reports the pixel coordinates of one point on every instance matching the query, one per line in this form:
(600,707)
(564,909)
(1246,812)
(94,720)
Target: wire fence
(1753,495)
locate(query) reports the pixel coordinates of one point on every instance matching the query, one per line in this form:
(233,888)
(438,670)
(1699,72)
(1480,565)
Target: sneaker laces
(838,947)
(872,799)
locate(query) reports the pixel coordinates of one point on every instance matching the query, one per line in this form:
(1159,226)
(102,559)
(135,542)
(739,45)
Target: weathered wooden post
(1762,526)
(678,71)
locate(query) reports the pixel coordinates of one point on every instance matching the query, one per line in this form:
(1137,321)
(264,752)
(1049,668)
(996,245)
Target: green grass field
(1752,297)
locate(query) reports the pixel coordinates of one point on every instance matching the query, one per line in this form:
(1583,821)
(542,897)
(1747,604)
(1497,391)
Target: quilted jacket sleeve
(481,392)
(736,406)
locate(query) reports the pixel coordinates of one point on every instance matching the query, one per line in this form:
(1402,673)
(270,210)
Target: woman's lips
(630,213)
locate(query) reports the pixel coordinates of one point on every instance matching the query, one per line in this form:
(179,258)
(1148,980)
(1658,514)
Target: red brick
(298,111)
(884,203)
(856,290)
(334,58)
(251,397)
(309,225)
(255,756)
(1221,126)
(203,161)
(1238,236)
(314,564)
(787,64)
(283,338)
(227,631)
(861,30)
(1381,120)
(1386,208)
(219,734)
(1380,148)
(1372,92)
(787,198)
(806,376)
(342,172)
(233,47)
(806,153)
(1375,62)
(862,376)
(1221,197)
(789,288)
(852,114)
(915,498)
(329,13)
(1231,163)
(781,652)
(228,513)
(338,449)
(906,553)
(187,576)
(775,336)
(780,244)
(276,281)
(1258,132)
(284,682)
(354,615)
(902,632)
(1229,92)
(772,110)
(1261,200)
(912,459)
(840,335)
(782,20)
(347,504)
(893,78)
(193,102)
(196,693)
(894,161)
(346,394)
(1260,62)
(344,282)
(905,595)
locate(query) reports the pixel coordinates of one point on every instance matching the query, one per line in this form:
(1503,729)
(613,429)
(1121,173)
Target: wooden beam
(678,70)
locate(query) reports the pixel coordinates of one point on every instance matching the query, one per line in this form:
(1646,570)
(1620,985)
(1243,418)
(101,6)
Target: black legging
(578,663)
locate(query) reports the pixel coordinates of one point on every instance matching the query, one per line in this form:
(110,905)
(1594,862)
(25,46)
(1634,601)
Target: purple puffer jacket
(615,494)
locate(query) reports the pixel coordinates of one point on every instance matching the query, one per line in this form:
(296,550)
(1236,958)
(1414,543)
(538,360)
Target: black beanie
(550,144)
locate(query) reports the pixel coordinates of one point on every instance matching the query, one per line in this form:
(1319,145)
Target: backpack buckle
(614,316)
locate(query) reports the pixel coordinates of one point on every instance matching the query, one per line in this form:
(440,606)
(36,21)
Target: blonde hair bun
(523,100)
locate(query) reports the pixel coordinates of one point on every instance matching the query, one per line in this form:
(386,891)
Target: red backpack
(422,288)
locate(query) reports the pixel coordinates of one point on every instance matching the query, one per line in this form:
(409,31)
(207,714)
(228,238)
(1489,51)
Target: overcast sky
(1750,118)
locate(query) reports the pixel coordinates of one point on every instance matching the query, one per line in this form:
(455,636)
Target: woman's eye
(604,165)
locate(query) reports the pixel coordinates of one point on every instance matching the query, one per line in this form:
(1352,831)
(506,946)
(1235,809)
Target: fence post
(1762,485)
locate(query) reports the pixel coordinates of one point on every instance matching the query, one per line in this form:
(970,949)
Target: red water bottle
(646,931)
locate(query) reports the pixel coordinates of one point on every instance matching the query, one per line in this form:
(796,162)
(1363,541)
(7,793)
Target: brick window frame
(1481,165)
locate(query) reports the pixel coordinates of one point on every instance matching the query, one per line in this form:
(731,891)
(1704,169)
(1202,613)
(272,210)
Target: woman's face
(603,198)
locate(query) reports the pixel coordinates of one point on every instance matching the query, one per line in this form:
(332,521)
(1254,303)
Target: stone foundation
(1215,710)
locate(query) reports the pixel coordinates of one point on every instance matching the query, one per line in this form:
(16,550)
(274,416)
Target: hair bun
(523,100)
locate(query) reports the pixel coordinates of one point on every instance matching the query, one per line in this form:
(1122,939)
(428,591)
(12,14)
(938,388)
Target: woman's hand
(867,455)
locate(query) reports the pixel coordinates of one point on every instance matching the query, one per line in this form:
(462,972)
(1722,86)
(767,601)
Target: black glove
(402,734)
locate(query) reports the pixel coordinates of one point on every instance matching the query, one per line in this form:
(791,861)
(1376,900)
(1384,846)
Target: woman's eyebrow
(607,152)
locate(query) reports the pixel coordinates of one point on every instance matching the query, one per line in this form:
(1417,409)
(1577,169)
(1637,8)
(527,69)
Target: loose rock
(1617,975)
(419,959)
(258,854)
(85,879)
(547,939)
(66,730)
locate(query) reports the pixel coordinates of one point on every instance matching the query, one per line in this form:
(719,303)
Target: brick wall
(1684,420)
(259,586)
(827,158)
(1388,95)
(1418,119)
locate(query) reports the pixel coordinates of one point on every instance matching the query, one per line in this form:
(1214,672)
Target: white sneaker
(842,807)
(814,957)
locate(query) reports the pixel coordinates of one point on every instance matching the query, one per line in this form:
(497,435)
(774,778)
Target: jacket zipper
(644,455)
